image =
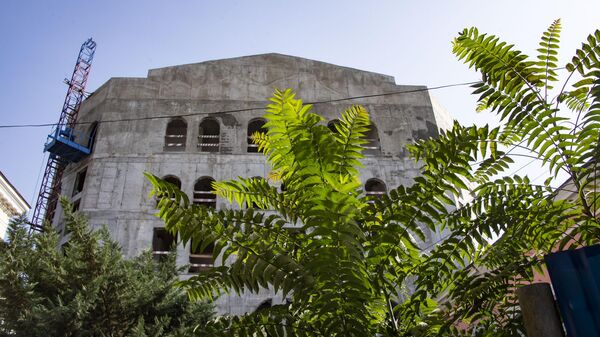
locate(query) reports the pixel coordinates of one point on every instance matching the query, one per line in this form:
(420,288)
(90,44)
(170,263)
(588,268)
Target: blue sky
(39,41)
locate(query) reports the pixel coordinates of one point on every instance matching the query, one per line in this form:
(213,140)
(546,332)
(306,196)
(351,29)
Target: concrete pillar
(540,314)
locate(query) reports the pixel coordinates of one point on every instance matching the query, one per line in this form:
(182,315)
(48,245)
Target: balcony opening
(201,259)
(176,135)
(173,180)
(209,133)
(374,189)
(255,125)
(373,146)
(332,125)
(162,243)
(204,193)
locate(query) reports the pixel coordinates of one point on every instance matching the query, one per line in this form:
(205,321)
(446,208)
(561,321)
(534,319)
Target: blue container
(575,276)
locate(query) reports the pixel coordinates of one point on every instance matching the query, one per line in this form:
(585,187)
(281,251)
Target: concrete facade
(115,193)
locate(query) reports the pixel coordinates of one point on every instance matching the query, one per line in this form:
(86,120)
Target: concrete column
(539,311)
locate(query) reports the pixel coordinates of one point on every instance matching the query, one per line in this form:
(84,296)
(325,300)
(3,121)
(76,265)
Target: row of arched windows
(209,134)
(203,191)
(205,195)
(201,259)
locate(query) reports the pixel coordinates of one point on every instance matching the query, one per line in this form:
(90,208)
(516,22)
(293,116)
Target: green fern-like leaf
(546,65)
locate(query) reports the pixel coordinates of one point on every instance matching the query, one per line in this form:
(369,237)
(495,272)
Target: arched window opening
(375,188)
(173,180)
(92,131)
(204,193)
(264,305)
(201,259)
(162,243)
(176,135)
(255,125)
(332,125)
(209,133)
(373,145)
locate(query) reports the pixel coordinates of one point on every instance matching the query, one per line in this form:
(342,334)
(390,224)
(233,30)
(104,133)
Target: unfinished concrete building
(172,124)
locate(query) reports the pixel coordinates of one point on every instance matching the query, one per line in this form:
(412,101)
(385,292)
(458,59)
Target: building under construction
(191,125)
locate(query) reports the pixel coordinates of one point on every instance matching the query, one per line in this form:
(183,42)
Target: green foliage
(349,257)
(87,288)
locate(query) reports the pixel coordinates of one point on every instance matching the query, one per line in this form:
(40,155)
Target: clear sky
(39,42)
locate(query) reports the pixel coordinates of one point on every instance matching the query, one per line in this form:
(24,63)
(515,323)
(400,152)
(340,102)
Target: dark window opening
(256,125)
(173,180)
(92,131)
(332,125)
(201,260)
(176,135)
(375,188)
(76,205)
(204,193)
(264,305)
(79,181)
(162,243)
(209,135)
(373,145)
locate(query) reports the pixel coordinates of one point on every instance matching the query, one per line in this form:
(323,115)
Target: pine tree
(87,287)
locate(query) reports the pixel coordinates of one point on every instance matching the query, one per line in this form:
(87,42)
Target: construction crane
(65,144)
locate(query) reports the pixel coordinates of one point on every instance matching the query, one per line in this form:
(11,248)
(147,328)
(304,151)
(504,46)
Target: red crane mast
(64,144)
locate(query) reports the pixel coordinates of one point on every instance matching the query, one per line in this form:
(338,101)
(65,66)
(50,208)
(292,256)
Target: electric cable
(244,109)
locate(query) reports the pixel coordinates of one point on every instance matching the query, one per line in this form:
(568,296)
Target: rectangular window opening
(79,181)
(76,205)
(201,260)
(162,242)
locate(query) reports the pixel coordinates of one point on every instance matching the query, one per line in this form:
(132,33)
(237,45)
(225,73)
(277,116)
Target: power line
(244,109)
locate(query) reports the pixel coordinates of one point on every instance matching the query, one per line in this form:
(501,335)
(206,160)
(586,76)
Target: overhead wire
(32,125)
(243,109)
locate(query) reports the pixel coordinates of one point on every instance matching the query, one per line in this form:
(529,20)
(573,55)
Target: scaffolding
(65,145)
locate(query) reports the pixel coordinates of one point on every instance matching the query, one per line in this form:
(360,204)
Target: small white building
(11,204)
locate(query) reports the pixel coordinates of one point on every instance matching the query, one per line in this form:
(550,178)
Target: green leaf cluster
(87,287)
(354,265)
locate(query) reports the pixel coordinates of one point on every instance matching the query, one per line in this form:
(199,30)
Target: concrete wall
(116,193)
